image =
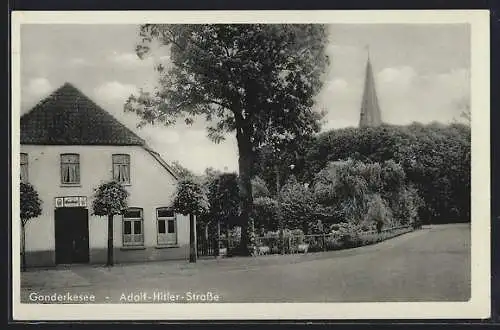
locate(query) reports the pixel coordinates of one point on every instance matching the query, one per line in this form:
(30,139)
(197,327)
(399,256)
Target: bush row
(371,196)
(347,237)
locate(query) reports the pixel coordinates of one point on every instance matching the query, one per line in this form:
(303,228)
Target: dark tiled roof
(68,117)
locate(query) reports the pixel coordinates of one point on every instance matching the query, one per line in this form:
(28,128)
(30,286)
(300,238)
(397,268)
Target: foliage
(347,234)
(258,80)
(434,159)
(298,207)
(378,211)
(223,198)
(265,213)
(30,203)
(408,204)
(181,171)
(342,189)
(344,236)
(393,176)
(281,157)
(110,198)
(190,198)
(30,207)
(365,193)
(259,188)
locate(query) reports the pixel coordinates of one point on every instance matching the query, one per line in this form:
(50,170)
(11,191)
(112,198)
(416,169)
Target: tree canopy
(110,199)
(258,77)
(190,198)
(256,80)
(30,203)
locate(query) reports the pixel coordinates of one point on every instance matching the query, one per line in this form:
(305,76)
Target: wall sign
(71,201)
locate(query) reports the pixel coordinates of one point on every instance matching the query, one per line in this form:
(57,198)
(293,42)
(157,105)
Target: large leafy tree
(31,207)
(191,199)
(110,199)
(255,80)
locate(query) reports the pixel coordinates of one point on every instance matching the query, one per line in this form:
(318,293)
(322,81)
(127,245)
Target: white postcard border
(479,304)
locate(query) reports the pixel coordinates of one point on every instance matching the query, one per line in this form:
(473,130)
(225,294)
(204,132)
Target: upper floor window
(133,233)
(70,168)
(24,167)
(121,168)
(167,226)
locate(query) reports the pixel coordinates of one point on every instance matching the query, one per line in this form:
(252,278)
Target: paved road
(432,264)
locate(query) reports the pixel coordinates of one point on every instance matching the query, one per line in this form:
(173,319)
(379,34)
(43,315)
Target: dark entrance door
(72,235)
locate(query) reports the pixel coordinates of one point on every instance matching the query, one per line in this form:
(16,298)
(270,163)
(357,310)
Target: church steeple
(370,109)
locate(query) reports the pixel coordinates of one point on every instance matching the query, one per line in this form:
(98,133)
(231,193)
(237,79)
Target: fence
(325,242)
(291,244)
(206,247)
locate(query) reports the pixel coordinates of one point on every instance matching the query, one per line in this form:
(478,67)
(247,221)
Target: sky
(422,74)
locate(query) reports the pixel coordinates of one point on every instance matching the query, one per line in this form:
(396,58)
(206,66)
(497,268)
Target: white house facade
(69,146)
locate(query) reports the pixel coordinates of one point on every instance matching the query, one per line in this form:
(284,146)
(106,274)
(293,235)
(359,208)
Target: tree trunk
(192,239)
(23,247)
(217,244)
(281,243)
(245,165)
(110,240)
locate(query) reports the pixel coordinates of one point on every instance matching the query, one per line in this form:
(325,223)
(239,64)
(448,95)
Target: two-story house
(69,145)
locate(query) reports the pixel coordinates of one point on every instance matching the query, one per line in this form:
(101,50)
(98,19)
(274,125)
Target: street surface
(432,264)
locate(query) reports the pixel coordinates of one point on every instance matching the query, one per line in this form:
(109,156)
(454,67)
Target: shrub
(378,213)
(393,176)
(348,234)
(342,188)
(298,207)
(265,213)
(332,243)
(259,188)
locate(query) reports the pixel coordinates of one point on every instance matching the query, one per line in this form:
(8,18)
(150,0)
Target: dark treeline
(436,159)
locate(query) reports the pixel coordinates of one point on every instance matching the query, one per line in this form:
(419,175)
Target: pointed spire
(370,109)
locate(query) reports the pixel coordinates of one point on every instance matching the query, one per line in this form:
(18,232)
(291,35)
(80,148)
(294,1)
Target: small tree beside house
(110,199)
(191,199)
(31,207)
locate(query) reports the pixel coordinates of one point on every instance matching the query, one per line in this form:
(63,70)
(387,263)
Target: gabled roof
(68,117)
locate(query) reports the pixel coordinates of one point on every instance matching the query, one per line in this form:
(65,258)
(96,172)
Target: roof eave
(161,161)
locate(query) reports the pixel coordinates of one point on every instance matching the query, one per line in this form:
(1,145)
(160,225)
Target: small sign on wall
(59,202)
(71,201)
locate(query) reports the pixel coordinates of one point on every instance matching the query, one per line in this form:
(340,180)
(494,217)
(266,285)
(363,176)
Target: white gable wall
(152,186)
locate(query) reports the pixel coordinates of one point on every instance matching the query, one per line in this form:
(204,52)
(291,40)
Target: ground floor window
(133,227)
(167,226)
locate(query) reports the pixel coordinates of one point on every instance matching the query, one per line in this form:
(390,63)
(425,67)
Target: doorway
(71,235)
